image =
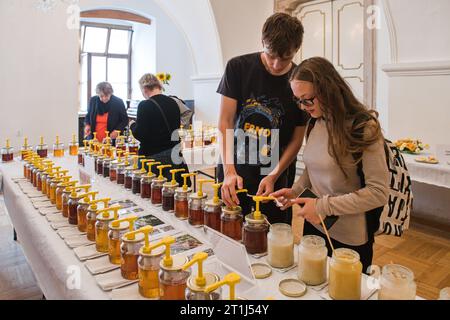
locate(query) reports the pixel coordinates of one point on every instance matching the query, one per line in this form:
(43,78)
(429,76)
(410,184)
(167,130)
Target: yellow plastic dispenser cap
(231,280)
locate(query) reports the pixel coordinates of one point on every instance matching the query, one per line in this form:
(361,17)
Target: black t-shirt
(264,102)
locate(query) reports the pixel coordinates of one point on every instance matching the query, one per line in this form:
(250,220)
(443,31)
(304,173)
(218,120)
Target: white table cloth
(55,264)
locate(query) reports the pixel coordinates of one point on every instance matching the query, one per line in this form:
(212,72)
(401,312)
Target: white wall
(418,70)
(39,73)
(172,50)
(239,23)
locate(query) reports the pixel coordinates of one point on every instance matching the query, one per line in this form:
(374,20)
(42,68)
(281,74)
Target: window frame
(106,54)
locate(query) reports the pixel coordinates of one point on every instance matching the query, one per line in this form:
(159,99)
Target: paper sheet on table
(39,199)
(44,204)
(59,225)
(77,241)
(100,265)
(55,217)
(50,210)
(69,232)
(88,252)
(35,194)
(112,280)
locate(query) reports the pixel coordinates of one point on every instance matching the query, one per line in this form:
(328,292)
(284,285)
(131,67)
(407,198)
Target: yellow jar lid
(154,253)
(122,226)
(210,278)
(232,210)
(251,219)
(261,270)
(292,288)
(137,238)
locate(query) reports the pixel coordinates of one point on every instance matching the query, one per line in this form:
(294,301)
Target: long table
(52,261)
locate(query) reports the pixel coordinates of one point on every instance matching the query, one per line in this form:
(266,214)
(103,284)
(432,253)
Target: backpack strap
(310,126)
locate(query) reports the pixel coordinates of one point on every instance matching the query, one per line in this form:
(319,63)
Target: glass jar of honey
(65,202)
(254,234)
(149,268)
(181,203)
(136,182)
(113,170)
(101,230)
(212,212)
(173,279)
(106,167)
(168,194)
(129,256)
(345,274)
(73,206)
(157,185)
(397,283)
(280,246)
(195,209)
(197,284)
(128,178)
(232,222)
(146,186)
(58,148)
(312,260)
(25,150)
(42,150)
(73,148)
(121,173)
(117,230)
(99,164)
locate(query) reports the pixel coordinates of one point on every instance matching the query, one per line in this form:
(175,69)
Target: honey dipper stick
(326,232)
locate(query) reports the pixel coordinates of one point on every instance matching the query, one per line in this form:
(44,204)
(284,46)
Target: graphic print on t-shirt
(257,130)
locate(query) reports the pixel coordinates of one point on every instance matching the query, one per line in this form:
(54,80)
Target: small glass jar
(136,182)
(172,280)
(129,256)
(345,275)
(65,203)
(34,173)
(232,222)
(59,192)
(146,186)
(182,203)
(129,178)
(99,165)
(280,246)
(101,232)
(115,235)
(44,177)
(254,234)
(39,179)
(397,283)
(211,214)
(195,212)
(73,206)
(42,150)
(73,148)
(47,181)
(91,220)
(58,150)
(195,292)
(312,260)
(113,171)
(157,185)
(121,174)
(106,167)
(81,215)
(189,140)
(198,139)
(148,264)
(168,194)
(53,184)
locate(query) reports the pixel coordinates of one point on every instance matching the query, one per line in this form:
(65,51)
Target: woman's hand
(228,189)
(284,197)
(266,186)
(87,130)
(307,209)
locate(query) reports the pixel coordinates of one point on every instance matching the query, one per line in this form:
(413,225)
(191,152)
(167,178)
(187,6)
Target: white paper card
(100,265)
(112,280)
(88,252)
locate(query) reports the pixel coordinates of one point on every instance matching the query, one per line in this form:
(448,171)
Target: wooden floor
(424,250)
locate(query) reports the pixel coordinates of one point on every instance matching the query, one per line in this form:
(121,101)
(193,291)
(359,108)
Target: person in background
(156,126)
(106,112)
(257,100)
(343,138)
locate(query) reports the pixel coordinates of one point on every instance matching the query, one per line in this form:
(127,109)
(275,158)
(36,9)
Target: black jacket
(150,127)
(117,114)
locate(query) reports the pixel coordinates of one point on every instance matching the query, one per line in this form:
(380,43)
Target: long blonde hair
(346,117)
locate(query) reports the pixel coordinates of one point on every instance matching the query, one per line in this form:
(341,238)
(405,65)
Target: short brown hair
(150,82)
(282,34)
(104,88)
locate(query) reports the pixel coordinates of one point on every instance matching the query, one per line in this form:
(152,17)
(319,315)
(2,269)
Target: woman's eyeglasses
(305,102)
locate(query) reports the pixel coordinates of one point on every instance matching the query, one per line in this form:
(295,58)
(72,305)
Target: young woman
(344,134)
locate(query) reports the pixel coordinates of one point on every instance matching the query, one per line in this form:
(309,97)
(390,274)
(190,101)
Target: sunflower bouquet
(411,145)
(164,77)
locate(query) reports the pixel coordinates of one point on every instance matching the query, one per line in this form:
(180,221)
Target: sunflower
(161,77)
